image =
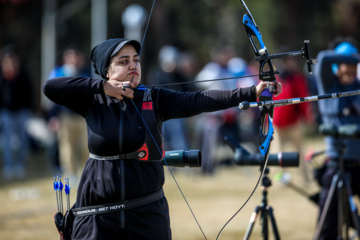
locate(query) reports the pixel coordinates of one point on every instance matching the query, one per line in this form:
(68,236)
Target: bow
(265,61)
(267,72)
(264,58)
(266,127)
(255,37)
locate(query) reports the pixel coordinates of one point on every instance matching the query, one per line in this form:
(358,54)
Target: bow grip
(266,93)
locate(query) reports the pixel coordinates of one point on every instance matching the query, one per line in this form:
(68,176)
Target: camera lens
(181,158)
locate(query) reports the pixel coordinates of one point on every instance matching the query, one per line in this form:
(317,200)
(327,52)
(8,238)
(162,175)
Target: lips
(133,73)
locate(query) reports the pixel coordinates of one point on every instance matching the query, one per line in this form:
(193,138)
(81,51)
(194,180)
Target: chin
(136,81)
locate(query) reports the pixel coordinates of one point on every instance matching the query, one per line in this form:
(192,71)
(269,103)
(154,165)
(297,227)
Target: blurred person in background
(292,121)
(247,120)
(171,70)
(69,149)
(188,67)
(16,100)
(211,128)
(126,146)
(336,72)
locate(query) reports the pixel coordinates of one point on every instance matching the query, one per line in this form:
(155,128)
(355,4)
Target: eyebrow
(127,56)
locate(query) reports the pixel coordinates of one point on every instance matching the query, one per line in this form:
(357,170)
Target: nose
(133,65)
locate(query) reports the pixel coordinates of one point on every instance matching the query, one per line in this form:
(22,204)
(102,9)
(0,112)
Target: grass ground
(27,207)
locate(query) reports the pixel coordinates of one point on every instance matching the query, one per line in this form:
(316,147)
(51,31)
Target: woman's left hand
(263,85)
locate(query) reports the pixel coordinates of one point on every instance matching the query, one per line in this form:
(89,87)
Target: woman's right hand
(116,89)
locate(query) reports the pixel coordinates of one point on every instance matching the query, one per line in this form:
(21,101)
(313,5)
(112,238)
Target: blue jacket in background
(338,111)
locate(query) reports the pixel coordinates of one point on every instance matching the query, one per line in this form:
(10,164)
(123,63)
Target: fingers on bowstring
(278,88)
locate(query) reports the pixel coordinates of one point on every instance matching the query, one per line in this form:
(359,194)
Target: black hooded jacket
(115,127)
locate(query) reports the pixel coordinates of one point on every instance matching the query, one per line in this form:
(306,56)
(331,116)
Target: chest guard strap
(153,148)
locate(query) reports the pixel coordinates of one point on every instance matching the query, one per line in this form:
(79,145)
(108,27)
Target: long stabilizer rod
(277,103)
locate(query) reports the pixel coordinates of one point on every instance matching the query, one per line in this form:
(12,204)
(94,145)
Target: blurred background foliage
(194,25)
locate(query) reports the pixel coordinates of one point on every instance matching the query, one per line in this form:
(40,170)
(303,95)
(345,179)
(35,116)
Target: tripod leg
(341,209)
(326,207)
(252,222)
(353,209)
(273,223)
(265,229)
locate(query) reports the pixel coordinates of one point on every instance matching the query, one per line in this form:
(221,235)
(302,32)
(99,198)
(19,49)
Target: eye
(121,62)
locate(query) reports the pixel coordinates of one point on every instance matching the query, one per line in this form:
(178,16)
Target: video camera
(244,158)
(182,158)
(343,131)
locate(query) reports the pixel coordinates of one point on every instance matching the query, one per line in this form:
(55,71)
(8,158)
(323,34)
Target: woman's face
(125,67)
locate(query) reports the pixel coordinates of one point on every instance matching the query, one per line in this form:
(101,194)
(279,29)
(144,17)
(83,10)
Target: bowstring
(202,81)
(247,200)
(147,128)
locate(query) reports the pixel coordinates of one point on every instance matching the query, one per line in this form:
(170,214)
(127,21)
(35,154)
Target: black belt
(118,206)
(117,157)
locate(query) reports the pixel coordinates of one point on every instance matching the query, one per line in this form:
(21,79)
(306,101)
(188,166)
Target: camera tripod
(265,211)
(244,158)
(340,190)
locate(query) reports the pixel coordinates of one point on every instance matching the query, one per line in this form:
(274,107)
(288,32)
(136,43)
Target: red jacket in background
(293,85)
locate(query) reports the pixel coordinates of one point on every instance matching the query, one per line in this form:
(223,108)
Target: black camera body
(244,158)
(346,131)
(182,158)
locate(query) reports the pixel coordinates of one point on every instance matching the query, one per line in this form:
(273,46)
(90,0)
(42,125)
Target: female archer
(120,192)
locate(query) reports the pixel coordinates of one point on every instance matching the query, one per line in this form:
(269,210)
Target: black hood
(102,53)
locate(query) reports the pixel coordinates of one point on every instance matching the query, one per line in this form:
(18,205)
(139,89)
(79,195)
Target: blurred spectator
(213,127)
(69,150)
(248,120)
(336,72)
(291,121)
(15,109)
(174,67)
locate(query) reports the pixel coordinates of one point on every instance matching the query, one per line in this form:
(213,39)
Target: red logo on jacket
(147,106)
